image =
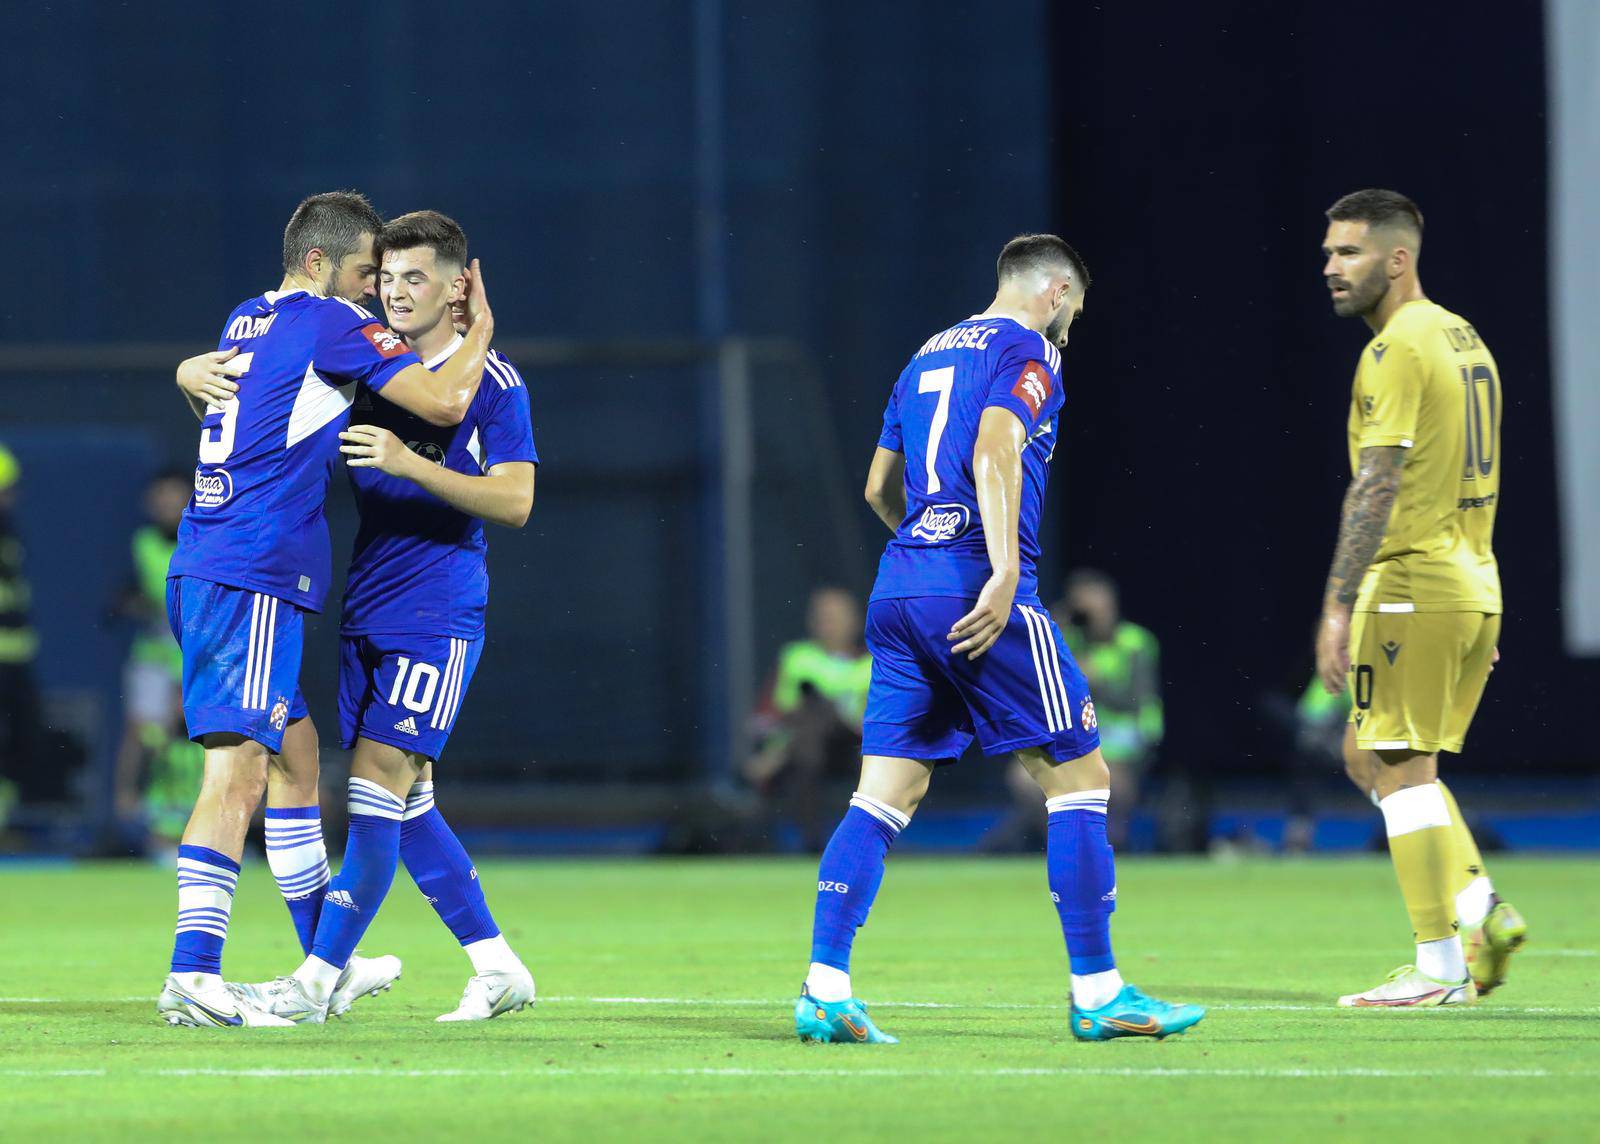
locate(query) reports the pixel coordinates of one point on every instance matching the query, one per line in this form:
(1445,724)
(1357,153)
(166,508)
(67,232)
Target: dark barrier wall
(872,159)
(1210,381)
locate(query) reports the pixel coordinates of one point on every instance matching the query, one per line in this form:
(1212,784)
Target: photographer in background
(810,725)
(158,768)
(1121,661)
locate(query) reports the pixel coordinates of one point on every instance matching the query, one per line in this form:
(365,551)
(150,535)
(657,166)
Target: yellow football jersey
(1428,383)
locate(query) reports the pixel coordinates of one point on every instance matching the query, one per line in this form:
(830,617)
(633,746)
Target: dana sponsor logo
(942,522)
(212,487)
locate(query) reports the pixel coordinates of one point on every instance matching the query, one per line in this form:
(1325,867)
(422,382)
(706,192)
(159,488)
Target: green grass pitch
(665,1013)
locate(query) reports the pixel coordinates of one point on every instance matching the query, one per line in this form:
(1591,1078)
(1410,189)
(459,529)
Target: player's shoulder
(1418,329)
(497,369)
(1013,339)
(340,313)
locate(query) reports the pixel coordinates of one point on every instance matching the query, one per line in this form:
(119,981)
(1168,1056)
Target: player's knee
(391,768)
(236,768)
(1088,772)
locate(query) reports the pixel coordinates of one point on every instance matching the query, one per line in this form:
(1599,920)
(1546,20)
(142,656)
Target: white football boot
(1409,988)
(282,997)
(491,994)
(363,977)
(201,1000)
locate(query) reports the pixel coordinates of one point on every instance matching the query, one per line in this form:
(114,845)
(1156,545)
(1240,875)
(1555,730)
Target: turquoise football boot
(1132,1014)
(837,1023)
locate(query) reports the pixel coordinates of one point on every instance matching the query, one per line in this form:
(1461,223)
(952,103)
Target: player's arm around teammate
(440,397)
(504,494)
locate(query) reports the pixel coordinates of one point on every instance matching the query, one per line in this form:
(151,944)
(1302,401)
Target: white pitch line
(783,1002)
(783,1073)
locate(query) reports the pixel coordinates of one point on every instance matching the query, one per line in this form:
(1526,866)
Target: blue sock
(1083,877)
(439,865)
(206,881)
(299,861)
(849,876)
(371,854)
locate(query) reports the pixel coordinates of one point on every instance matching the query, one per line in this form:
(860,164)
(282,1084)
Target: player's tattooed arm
(1361,527)
(886,487)
(1365,519)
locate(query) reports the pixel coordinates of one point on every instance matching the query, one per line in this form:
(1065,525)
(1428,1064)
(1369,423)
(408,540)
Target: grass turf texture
(962,960)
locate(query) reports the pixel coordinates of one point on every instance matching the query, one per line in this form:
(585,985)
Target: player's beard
(1056,332)
(1364,296)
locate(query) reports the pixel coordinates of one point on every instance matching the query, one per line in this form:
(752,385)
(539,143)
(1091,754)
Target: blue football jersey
(420,566)
(932,418)
(256,520)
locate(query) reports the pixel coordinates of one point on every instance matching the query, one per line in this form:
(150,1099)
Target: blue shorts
(925,703)
(241,660)
(403,690)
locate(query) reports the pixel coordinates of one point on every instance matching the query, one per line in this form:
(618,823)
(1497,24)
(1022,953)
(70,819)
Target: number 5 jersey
(256,519)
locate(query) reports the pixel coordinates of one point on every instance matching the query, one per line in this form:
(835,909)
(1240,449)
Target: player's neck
(1019,310)
(292,282)
(428,344)
(1378,317)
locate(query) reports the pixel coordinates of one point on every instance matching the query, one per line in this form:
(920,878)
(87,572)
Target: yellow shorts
(1416,677)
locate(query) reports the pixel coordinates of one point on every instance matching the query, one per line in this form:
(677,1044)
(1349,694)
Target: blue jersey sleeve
(508,430)
(355,346)
(892,438)
(1025,380)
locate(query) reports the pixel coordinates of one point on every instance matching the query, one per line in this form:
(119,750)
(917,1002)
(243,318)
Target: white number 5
(221,422)
(937,381)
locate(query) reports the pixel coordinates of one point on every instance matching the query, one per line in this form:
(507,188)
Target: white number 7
(937,381)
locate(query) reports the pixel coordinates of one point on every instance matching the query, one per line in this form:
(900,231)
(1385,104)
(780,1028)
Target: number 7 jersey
(932,418)
(1428,384)
(256,521)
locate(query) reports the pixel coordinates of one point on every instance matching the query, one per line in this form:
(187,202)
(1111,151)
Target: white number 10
(937,381)
(423,677)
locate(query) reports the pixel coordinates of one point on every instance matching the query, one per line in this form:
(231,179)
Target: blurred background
(714,231)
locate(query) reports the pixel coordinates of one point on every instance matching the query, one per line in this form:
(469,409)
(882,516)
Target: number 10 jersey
(932,418)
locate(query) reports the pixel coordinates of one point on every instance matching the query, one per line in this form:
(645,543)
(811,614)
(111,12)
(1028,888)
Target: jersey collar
(443,355)
(273,297)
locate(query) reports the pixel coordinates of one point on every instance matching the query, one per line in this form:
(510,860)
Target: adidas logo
(342,899)
(408,725)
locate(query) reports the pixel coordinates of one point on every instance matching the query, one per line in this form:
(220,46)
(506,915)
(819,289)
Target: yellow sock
(1469,877)
(1421,845)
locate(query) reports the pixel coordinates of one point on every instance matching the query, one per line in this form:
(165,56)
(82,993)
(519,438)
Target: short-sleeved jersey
(420,566)
(1428,383)
(256,520)
(932,418)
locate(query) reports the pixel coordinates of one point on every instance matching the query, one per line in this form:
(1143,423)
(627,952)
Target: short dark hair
(426,228)
(332,222)
(1028,253)
(1377,207)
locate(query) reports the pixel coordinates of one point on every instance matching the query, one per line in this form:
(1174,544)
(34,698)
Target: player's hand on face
(477,303)
(373,447)
(975,632)
(210,376)
(1333,649)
